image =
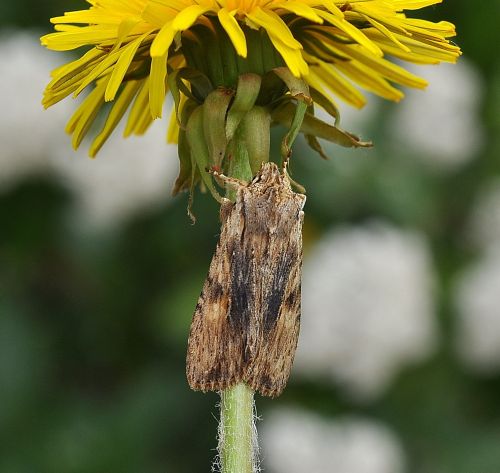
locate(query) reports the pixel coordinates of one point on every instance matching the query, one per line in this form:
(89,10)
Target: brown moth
(246,323)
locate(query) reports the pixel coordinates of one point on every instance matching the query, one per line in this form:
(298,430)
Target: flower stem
(237,438)
(238,448)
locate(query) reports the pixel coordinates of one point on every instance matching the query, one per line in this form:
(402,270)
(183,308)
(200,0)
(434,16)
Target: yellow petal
(351,31)
(77,37)
(101,69)
(139,109)
(173,127)
(275,26)
(338,84)
(300,9)
(413,4)
(157,89)
(126,56)
(80,122)
(125,28)
(188,16)
(115,115)
(163,40)
(292,57)
(234,31)
(369,79)
(386,32)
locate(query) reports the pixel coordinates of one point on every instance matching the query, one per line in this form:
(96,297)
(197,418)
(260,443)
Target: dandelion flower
(141,50)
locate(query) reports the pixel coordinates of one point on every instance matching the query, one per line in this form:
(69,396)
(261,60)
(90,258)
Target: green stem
(238,448)
(237,445)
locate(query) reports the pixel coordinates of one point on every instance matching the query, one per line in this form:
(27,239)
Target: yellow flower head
(137,44)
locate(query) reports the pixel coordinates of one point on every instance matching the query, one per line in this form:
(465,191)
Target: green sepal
(173,85)
(239,164)
(256,128)
(186,178)
(246,94)
(315,145)
(295,125)
(271,89)
(183,181)
(326,104)
(318,128)
(200,84)
(199,150)
(191,191)
(214,123)
(297,87)
(299,90)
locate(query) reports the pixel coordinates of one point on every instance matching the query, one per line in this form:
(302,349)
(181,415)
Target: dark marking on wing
(216,290)
(215,374)
(242,297)
(292,298)
(266,383)
(274,300)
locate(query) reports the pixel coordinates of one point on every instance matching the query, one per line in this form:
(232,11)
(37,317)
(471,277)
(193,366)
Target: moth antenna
(226,179)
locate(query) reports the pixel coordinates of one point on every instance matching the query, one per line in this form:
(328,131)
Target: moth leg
(286,176)
(284,165)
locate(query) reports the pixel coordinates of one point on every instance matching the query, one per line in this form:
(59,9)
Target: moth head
(270,175)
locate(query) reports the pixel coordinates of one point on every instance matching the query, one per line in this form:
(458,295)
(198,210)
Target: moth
(246,323)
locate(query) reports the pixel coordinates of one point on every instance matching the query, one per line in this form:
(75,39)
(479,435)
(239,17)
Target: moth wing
(269,369)
(216,346)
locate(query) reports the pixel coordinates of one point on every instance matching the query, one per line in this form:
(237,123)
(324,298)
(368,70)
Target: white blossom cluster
(368,307)
(127,176)
(477,289)
(477,301)
(483,230)
(297,441)
(441,124)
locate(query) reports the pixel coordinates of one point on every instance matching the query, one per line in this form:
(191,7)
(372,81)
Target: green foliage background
(93,330)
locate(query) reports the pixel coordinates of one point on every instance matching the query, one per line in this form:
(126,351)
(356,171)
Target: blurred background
(398,367)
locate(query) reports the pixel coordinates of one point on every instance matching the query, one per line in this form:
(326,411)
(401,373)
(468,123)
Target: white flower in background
(28,134)
(128,176)
(297,442)
(367,307)
(484,223)
(442,123)
(477,290)
(477,302)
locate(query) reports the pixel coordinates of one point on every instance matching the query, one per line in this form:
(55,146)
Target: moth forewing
(211,338)
(246,323)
